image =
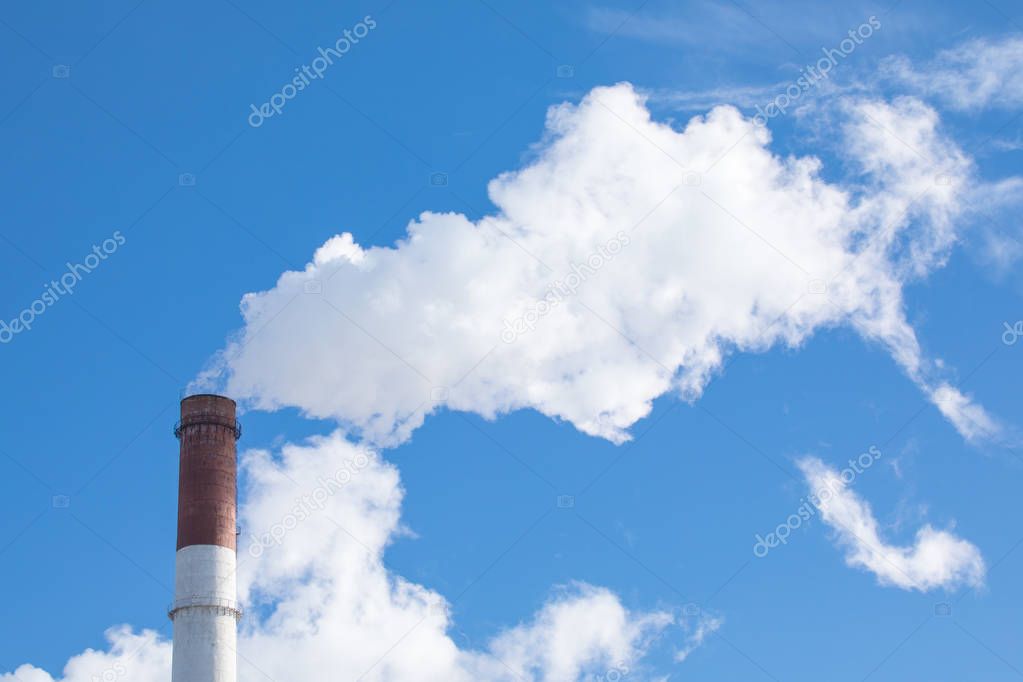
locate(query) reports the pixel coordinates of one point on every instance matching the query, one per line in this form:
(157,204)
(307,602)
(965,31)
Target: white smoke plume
(625,262)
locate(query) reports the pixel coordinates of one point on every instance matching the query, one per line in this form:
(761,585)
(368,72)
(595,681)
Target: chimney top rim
(209,395)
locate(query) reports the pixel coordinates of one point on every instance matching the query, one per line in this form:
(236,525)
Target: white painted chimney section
(205,615)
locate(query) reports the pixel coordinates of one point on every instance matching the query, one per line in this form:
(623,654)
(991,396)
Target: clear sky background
(133,117)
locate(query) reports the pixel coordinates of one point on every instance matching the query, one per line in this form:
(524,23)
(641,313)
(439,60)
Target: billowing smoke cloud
(623,263)
(937,559)
(316,522)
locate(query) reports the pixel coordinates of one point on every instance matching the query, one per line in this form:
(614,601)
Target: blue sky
(675,419)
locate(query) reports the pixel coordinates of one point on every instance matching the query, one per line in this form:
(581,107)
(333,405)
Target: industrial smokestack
(205,609)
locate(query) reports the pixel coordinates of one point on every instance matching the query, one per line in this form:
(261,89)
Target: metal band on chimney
(228,607)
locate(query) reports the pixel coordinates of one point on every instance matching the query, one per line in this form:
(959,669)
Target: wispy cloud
(976,75)
(997,206)
(970,419)
(732,27)
(698,628)
(744,96)
(936,559)
(674,28)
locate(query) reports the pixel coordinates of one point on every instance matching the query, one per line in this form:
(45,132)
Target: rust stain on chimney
(208,474)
